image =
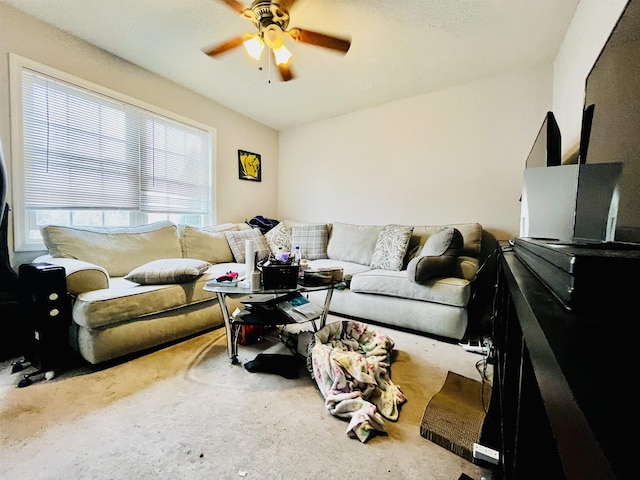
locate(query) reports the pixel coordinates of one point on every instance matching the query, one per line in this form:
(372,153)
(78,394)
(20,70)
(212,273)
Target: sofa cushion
(312,240)
(168,270)
(206,243)
(117,249)
(448,291)
(125,300)
(279,236)
(237,241)
(391,247)
(353,243)
(438,258)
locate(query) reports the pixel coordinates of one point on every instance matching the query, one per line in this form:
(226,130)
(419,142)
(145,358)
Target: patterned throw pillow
(168,270)
(312,240)
(391,247)
(236,243)
(279,236)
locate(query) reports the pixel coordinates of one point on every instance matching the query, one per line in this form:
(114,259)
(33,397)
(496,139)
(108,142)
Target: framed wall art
(249,166)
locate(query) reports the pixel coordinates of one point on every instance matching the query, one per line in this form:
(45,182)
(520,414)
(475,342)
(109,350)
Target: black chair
(11,335)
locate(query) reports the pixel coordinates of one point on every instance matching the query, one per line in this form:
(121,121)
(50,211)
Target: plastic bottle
(297,255)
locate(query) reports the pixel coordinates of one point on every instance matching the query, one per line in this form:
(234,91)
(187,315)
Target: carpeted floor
(185,412)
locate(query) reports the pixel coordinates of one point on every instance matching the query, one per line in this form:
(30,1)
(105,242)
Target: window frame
(21,218)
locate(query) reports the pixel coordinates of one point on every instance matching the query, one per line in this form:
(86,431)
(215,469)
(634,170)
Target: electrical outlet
(487,454)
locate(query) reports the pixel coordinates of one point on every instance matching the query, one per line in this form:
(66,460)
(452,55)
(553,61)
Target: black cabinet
(563,403)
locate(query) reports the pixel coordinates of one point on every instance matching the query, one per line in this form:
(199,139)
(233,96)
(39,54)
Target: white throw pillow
(279,236)
(391,247)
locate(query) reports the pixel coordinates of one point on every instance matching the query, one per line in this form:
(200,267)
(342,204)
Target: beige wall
(453,156)
(236,200)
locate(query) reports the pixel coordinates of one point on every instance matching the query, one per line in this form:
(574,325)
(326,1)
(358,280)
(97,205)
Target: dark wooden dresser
(564,401)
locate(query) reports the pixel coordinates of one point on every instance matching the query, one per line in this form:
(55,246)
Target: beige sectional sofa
(394,283)
(135,288)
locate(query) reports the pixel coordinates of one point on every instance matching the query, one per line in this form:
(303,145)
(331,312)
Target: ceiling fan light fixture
(271,20)
(282,54)
(254,47)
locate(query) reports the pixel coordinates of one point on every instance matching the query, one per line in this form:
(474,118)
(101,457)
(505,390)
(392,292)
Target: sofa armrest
(81,276)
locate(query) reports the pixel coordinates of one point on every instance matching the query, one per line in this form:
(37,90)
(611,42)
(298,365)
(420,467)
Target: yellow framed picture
(249,166)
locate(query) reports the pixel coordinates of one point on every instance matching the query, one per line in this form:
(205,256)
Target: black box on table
(280,276)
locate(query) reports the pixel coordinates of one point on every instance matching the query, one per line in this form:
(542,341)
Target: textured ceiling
(399,48)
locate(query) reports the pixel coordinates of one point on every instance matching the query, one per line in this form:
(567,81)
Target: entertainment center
(589,212)
(563,397)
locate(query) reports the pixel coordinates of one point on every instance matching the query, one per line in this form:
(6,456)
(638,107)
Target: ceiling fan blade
(228,45)
(320,39)
(237,6)
(284,69)
(286,73)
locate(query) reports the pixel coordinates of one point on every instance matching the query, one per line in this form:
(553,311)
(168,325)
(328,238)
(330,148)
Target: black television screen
(613,86)
(545,151)
(585,133)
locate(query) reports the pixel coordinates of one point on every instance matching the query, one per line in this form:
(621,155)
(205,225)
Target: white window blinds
(84,150)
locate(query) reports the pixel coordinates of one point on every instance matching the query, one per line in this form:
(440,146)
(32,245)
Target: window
(87,157)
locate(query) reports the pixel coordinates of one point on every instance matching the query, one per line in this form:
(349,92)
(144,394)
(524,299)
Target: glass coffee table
(267,297)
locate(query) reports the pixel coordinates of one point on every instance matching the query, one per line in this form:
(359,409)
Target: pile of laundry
(350,362)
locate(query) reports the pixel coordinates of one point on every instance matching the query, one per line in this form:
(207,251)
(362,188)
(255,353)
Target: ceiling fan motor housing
(271,20)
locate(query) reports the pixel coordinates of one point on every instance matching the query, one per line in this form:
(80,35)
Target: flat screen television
(585,133)
(546,151)
(613,87)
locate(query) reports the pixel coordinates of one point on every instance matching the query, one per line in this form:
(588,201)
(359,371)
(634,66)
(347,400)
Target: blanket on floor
(351,365)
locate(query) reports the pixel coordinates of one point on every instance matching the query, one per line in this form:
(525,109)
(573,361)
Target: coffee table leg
(232,337)
(327,305)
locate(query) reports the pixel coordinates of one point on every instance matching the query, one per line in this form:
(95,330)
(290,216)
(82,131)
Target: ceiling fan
(272,20)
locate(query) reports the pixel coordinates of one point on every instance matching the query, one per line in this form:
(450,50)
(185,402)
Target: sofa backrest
(471,234)
(117,249)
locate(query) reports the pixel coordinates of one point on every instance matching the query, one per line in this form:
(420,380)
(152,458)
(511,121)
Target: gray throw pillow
(439,256)
(237,243)
(312,240)
(448,241)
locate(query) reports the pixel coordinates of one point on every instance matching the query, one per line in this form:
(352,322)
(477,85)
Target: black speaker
(46,309)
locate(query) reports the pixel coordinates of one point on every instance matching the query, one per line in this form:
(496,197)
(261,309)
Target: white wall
(236,200)
(592,23)
(453,156)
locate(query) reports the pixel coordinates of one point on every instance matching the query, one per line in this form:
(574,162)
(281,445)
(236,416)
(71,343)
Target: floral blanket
(351,365)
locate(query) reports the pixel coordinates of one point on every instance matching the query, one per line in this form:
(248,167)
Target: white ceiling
(399,48)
